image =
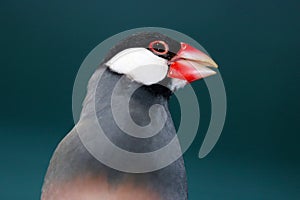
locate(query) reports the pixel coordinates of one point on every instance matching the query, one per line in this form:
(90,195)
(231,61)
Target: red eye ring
(166,47)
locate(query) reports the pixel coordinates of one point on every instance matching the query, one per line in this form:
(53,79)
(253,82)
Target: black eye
(159,47)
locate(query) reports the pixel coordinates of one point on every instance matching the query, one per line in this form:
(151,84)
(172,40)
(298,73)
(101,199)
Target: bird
(157,65)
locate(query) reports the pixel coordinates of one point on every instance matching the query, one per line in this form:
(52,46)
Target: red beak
(191,64)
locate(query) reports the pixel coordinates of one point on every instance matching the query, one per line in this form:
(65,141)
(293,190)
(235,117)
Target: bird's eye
(159,47)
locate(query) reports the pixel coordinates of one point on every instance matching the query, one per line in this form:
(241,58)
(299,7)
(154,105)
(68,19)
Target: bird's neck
(114,95)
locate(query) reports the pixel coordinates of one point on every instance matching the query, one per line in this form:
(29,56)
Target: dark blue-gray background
(255,43)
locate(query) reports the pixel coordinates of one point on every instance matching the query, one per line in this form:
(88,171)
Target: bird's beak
(191,64)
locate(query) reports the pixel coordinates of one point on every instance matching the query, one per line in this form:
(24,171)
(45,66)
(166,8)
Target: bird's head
(153,58)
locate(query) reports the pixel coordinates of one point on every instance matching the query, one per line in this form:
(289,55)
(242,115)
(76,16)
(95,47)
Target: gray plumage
(71,159)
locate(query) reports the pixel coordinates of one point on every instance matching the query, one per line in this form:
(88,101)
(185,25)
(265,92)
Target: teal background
(255,43)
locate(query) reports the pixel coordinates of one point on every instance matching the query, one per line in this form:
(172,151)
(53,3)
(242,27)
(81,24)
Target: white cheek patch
(140,65)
